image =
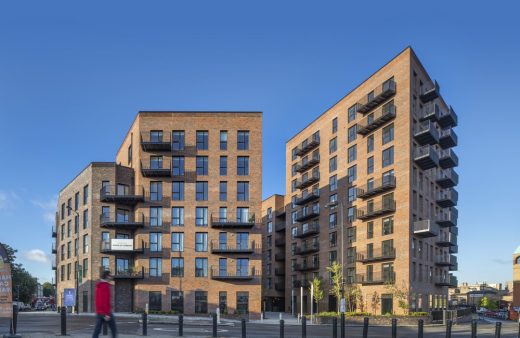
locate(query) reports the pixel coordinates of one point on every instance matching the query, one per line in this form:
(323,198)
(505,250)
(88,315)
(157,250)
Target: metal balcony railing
(376,255)
(240,222)
(376,209)
(306,164)
(309,180)
(376,120)
(228,248)
(308,144)
(157,168)
(239,274)
(312,229)
(426,157)
(130,273)
(448,217)
(306,213)
(448,138)
(425,228)
(379,95)
(306,249)
(426,133)
(156,141)
(431,93)
(447,178)
(118,220)
(385,277)
(308,197)
(447,198)
(448,118)
(448,159)
(376,187)
(307,266)
(122,194)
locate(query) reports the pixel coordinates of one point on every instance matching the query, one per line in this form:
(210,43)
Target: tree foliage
(401,294)
(48,290)
(337,280)
(317,292)
(488,303)
(24,284)
(374,302)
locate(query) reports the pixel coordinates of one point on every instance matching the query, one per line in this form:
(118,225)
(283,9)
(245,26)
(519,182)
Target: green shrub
(418,314)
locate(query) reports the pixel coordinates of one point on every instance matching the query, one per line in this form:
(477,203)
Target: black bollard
(145,324)
(181,324)
(63,316)
(335,327)
(498,328)
(304,327)
(420,329)
(282,331)
(394,328)
(448,329)
(365,327)
(473,328)
(342,325)
(243,328)
(105,328)
(214,325)
(15,318)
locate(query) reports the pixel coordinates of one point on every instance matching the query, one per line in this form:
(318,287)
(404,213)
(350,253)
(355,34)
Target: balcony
(123,221)
(157,169)
(121,246)
(448,217)
(239,275)
(307,249)
(446,239)
(426,133)
(280,214)
(237,248)
(122,194)
(54,265)
(279,272)
(425,228)
(308,197)
(445,260)
(426,157)
(307,145)
(448,159)
(301,283)
(447,178)
(447,198)
(448,118)
(430,112)
(53,250)
(448,138)
(376,187)
(454,249)
(379,95)
(186,151)
(307,266)
(238,223)
(184,175)
(306,213)
(431,94)
(279,242)
(376,209)
(387,277)
(131,273)
(306,164)
(279,227)
(454,265)
(279,257)
(156,142)
(54,234)
(307,181)
(312,229)
(279,286)
(378,255)
(377,120)
(448,280)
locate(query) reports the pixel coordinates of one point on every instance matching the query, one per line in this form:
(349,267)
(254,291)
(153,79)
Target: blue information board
(69,296)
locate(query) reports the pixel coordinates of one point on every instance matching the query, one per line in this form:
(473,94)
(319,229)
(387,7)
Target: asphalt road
(48,325)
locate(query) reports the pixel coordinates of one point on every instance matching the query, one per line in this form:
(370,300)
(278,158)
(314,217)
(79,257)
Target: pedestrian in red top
(103,307)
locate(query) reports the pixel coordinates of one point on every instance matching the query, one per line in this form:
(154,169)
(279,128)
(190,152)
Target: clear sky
(74,74)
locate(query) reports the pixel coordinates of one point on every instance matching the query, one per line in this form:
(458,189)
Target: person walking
(103,306)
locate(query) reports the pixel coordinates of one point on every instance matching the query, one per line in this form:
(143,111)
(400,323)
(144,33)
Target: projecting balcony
(307,266)
(426,157)
(307,145)
(377,255)
(157,169)
(387,277)
(376,187)
(376,209)
(54,265)
(307,181)
(53,250)
(454,249)
(238,275)
(426,133)
(446,239)
(306,164)
(301,283)
(279,286)
(448,159)
(312,229)
(448,118)
(448,217)
(54,234)
(156,141)
(445,260)
(122,221)
(430,112)
(447,198)
(236,248)
(307,249)
(447,178)
(279,257)
(306,213)
(279,272)
(431,94)
(280,214)
(279,227)
(122,194)
(448,280)
(379,95)
(425,228)
(374,121)
(130,273)
(121,246)
(454,230)
(240,222)
(448,138)
(186,150)
(307,197)
(183,175)
(279,242)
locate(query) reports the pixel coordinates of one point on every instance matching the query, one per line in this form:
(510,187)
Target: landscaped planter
(376,320)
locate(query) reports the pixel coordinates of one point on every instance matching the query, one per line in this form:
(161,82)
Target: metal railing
(377,186)
(376,209)
(307,181)
(376,120)
(379,95)
(308,144)
(378,254)
(380,277)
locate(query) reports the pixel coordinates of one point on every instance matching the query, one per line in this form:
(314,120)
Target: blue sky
(74,74)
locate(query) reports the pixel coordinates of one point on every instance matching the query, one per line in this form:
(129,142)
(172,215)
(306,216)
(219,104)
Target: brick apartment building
(516,278)
(176,217)
(370,185)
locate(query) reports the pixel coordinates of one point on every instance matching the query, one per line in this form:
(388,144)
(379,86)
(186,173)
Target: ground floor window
(201,302)
(154,300)
(177,301)
(242,302)
(222,301)
(387,304)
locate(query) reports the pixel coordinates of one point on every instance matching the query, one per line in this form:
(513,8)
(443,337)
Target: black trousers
(100,319)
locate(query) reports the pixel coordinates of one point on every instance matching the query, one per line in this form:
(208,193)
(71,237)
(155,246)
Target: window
(155,216)
(177,267)
(177,299)
(69,228)
(352,153)
(223,165)
(201,216)
(243,215)
(178,191)
(129,152)
(333,221)
(370,230)
(68,271)
(333,183)
(388,133)
(85,194)
(85,243)
(222,240)
(293,169)
(202,140)
(335,125)
(156,136)
(388,156)
(243,140)
(201,241)
(202,165)
(333,200)
(242,266)
(242,302)
(155,267)
(293,185)
(201,302)
(177,216)
(178,165)
(294,153)
(177,241)
(388,226)
(351,214)
(242,165)
(62,211)
(351,194)
(333,146)
(201,191)
(222,213)
(76,201)
(352,133)
(76,247)
(201,270)
(223,139)
(155,241)
(351,234)
(156,162)
(352,113)
(62,231)
(388,247)
(156,191)
(352,174)
(351,255)
(270,227)
(243,240)
(85,219)
(370,143)
(178,140)
(333,239)
(242,191)
(222,301)
(105,263)
(370,165)
(154,299)
(69,206)
(223,191)
(333,164)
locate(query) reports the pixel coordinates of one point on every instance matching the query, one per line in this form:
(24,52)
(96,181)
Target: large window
(201,241)
(156,162)
(243,140)
(333,183)
(242,165)
(76,201)
(177,267)
(201,268)
(155,216)
(154,300)
(388,156)
(178,191)
(223,191)
(202,140)
(388,133)
(85,219)
(351,194)
(178,165)
(352,174)
(178,140)
(333,145)
(201,191)
(352,153)
(242,240)
(177,301)
(155,241)
(177,241)
(156,136)
(177,216)
(352,113)
(201,302)
(223,165)
(242,214)
(155,267)
(370,165)
(85,195)
(85,243)
(201,216)
(223,139)
(352,133)
(370,143)
(156,191)
(242,267)
(388,226)
(242,302)
(242,191)
(202,165)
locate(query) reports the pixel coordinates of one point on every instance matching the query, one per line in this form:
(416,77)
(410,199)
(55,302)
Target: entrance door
(85,301)
(387,304)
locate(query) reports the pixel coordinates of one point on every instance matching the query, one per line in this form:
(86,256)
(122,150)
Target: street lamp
(331,206)
(76,228)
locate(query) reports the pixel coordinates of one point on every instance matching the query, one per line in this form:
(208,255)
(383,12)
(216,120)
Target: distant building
(472,294)
(516,277)
(39,291)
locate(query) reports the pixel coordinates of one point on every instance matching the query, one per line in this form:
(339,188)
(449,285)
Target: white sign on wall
(120,244)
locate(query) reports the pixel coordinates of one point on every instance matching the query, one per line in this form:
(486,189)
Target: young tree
(318,292)
(353,297)
(402,294)
(487,303)
(374,302)
(337,280)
